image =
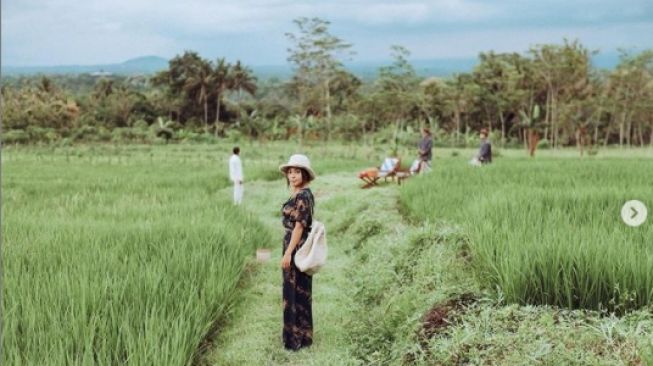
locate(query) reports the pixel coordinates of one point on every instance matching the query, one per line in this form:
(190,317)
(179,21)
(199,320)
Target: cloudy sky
(58,32)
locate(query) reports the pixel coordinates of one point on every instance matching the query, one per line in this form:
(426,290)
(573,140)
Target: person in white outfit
(236,175)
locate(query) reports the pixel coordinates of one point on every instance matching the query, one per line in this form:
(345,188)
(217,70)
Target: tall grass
(112,259)
(128,254)
(549,231)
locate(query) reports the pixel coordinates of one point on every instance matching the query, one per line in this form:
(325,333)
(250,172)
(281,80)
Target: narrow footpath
(253,336)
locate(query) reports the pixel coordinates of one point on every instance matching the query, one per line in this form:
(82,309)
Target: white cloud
(469,43)
(93,31)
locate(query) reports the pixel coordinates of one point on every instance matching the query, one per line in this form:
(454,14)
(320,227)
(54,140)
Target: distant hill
(153,64)
(135,66)
(363,69)
(367,70)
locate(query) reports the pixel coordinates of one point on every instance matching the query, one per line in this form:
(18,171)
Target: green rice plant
(110,259)
(549,231)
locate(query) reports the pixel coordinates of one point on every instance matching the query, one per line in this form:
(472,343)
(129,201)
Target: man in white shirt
(236,175)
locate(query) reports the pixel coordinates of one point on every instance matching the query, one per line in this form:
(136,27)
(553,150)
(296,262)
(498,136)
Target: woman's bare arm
(295,237)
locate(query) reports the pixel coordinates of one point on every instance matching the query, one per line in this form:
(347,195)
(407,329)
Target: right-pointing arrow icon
(634,213)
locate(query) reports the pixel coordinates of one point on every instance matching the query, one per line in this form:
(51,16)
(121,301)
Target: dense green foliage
(551,92)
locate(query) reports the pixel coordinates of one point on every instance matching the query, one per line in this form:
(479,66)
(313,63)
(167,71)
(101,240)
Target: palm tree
(221,80)
(242,79)
(198,83)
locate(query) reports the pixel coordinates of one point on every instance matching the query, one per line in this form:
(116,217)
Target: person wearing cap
(297,217)
(484,155)
(236,175)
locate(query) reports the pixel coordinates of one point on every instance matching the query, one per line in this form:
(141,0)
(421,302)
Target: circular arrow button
(634,213)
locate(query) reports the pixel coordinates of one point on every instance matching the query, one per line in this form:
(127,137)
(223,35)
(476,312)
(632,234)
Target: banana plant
(532,122)
(164,129)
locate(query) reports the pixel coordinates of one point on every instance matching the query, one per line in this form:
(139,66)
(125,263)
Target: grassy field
(135,255)
(110,259)
(549,231)
(125,254)
(399,291)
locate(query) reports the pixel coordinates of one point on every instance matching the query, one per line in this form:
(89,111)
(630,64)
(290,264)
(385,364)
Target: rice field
(133,254)
(548,231)
(111,259)
(126,254)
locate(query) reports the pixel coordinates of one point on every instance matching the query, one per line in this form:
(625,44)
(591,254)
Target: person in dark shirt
(424,154)
(485,152)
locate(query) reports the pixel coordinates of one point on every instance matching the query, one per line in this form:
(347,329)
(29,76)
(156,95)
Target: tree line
(550,95)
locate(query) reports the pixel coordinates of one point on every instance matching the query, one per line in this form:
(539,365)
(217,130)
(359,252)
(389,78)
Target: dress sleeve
(303,208)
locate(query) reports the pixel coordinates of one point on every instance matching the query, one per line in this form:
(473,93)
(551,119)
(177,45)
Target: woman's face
(295,177)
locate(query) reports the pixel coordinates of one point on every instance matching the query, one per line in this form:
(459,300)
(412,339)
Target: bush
(186,135)
(103,134)
(514,143)
(126,134)
(194,137)
(159,141)
(472,140)
(86,132)
(40,134)
(544,144)
(495,136)
(15,137)
(234,135)
(405,138)
(141,125)
(347,127)
(194,124)
(65,142)
(165,133)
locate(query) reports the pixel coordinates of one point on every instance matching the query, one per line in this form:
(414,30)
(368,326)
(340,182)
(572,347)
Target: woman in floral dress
(297,214)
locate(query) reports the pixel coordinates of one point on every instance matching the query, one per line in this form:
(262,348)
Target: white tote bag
(312,255)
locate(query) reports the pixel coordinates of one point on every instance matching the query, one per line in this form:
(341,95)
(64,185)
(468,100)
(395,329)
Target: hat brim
(284,167)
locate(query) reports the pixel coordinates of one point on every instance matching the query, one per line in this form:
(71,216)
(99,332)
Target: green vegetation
(134,254)
(397,292)
(126,254)
(548,231)
(111,259)
(550,92)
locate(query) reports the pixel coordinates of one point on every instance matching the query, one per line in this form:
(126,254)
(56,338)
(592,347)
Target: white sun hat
(298,161)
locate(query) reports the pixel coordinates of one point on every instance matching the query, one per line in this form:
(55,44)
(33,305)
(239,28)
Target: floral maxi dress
(297,313)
